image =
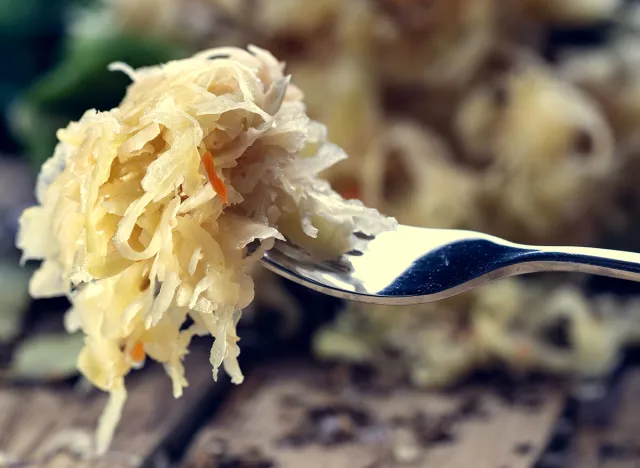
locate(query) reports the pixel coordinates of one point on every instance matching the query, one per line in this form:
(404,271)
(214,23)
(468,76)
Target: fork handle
(602,262)
(476,259)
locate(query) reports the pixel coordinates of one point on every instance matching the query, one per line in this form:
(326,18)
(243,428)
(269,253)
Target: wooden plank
(618,444)
(43,426)
(286,416)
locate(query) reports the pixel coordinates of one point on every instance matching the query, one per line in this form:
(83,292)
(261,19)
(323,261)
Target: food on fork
(149,213)
(433,140)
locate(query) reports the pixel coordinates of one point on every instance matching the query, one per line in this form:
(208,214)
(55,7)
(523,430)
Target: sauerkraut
(520,325)
(146,212)
(439,43)
(537,177)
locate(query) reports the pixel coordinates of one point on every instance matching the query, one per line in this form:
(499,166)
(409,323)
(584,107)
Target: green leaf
(14,299)
(47,357)
(31,17)
(79,82)
(36,130)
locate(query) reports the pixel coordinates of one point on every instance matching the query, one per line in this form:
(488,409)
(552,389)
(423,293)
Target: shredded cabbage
(522,325)
(132,225)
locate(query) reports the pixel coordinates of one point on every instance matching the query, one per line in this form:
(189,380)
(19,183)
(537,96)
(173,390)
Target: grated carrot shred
(216,182)
(137,352)
(350,191)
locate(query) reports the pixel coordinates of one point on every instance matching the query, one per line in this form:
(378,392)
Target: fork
(411,265)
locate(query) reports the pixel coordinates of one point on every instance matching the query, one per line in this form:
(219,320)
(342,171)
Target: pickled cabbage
(146,211)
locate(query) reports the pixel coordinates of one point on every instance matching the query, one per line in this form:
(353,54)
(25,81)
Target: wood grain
(39,426)
(618,444)
(255,420)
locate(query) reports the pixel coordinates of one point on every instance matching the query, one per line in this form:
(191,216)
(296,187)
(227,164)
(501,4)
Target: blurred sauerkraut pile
(460,114)
(500,133)
(149,213)
(456,114)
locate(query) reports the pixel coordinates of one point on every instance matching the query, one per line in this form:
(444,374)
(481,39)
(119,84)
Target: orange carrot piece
(137,352)
(216,182)
(350,191)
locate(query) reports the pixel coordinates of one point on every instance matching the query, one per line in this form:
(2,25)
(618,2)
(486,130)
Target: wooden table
(290,415)
(615,446)
(42,426)
(287,416)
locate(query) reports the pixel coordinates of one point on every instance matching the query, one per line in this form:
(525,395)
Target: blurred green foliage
(32,17)
(47,357)
(80,81)
(30,33)
(49,78)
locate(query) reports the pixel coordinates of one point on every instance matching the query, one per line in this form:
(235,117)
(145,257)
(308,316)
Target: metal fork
(411,265)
